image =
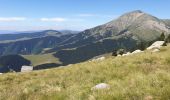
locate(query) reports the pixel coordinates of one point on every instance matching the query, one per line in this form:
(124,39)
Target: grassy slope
(41,59)
(137,77)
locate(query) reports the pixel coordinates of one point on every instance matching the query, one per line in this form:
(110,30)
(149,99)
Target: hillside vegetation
(143,76)
(41,59)
(131,31)
(31,45)
(138,28)
(29,35)
(11,63)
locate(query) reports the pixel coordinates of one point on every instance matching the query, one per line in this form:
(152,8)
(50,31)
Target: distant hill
(6,31)
(31,43)
(12,63)
(133,30)
(69,32)
(31,46)
(19,36)
(142,26)
(167,22)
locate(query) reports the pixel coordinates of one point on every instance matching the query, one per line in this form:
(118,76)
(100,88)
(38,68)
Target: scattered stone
(156,45)
(148,98)
(26,68)
(101,58)
(156,50)
(61,66)
(128,53)
(98,59)
(119,55)
(69,65)
(136,51)
(101,86)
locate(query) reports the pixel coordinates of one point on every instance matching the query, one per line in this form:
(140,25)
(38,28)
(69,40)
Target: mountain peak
(135,20)
(134,13)
(126,19)
(137,11)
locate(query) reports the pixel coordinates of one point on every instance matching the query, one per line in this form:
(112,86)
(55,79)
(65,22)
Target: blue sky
(24,15)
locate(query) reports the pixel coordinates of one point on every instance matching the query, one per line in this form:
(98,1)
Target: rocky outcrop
(156,45)
(155,50)
(98,59)
(136,51)
(26,68)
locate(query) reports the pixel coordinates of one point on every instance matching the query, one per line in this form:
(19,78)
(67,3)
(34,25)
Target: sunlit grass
(41,59)
(141,76)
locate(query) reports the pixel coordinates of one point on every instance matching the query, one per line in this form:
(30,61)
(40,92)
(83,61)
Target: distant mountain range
(14,36)
(31,43)
(167,22)
(6,31)
(69,31)
(131,31)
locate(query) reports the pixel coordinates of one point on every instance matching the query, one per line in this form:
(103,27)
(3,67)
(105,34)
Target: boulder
(156,45)
(1,73)
(98,59)
(127,54)
(119,55)
(101,58)
(26,68)
(101,86)
(136,51)
(156,50)
(69,65)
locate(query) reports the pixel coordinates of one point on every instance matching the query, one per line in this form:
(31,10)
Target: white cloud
(11,19)
(57,19)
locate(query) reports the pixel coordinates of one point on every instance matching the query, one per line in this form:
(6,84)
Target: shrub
(167,39)
(121,52)
(162,37)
